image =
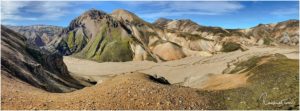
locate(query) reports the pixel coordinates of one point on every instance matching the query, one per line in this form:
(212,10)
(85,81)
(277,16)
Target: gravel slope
(127,91)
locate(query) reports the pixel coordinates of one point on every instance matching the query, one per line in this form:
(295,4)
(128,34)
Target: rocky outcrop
(39,35)
(33,65)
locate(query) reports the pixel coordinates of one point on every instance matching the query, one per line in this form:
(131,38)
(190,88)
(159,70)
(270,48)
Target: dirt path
(190,71)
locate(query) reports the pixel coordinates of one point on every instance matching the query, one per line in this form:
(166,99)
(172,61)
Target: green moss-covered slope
(76,40)
(70,40)
(109,45)
(272,85)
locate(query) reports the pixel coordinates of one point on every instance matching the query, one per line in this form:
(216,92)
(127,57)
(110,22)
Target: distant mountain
(276,32)
(263,34)
(123,36)
(33,65)
(40,35)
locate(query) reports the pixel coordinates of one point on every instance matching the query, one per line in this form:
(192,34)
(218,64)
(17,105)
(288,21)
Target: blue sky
(226,14)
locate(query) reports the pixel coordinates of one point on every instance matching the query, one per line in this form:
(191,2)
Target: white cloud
(10,10)
(285,12)
(34,10)
(56,10)
(208,7)
(189,8)
(52,10)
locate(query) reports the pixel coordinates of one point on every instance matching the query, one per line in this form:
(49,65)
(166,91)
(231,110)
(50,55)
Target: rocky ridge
(40,68)
(40,35)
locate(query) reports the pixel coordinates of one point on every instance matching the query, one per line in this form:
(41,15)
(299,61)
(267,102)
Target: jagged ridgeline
(40,35)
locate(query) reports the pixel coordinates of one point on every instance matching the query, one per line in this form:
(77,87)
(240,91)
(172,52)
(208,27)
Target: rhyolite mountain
(29,63)
(263,34)
(123,36)
(39,35)
(120,36)
(276,32)
(100,36)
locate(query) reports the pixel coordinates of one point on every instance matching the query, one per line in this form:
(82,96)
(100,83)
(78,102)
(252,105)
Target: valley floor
(189,71)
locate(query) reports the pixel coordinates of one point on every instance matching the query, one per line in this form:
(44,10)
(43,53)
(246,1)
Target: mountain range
(123,36)
(40,35)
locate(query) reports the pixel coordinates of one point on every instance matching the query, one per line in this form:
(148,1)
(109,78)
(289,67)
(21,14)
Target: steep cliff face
(39,35)
(33,65)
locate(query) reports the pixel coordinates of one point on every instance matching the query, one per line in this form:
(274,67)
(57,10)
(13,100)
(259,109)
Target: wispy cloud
(11,10)
(286,11)
(34,10)
(205,12)
(168,9)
